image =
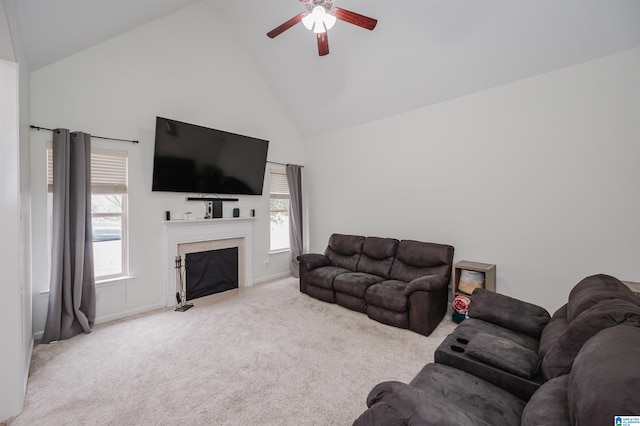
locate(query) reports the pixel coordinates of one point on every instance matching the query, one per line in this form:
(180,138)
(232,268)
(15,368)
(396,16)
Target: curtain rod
(97,137)
(282,164)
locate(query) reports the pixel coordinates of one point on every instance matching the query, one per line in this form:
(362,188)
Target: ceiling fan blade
(290,23)
(355,18)
(323,44)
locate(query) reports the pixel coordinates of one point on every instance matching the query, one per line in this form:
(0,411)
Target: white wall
(539,177)
(184,66)
(15,288)
(11,363)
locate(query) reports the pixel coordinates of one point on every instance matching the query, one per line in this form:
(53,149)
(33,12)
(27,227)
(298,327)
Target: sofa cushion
(415,259)
(504,354)
(388,294)
(324,294)
(355,283)
(398,404)
(381,414)
(602,315)
(508,312)
(387,316)
(350,302)
(605,377)
(453,351)
(553,330)
(344,250)
(377,256)
(471,326)
(480,401)
(324,276)
(594,289)
(548,405)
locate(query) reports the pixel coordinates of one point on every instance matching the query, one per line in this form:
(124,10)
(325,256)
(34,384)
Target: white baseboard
(272,277)
(27,369)
(125,314)
(119,315)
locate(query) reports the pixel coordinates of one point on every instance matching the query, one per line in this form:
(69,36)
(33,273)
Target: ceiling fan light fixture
(329,20)
(320,17)
(319,21)
(308,21)
(319,28)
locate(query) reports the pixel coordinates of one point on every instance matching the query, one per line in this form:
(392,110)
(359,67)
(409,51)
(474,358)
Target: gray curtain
(294,179)
(72,297)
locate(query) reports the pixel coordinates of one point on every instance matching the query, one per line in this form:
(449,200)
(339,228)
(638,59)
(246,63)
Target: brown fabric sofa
(518,346)
(399,283)
(601,386)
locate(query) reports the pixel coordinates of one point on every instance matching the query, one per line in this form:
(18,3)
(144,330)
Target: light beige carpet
(263,355)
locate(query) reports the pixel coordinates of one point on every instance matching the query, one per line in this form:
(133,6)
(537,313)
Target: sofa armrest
(399,404)
(313,260)
(425,283)
(508,312)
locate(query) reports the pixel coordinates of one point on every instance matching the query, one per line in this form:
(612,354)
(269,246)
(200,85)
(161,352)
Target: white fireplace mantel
(203,230)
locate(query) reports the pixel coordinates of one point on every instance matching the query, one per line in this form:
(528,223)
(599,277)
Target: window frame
(110,178)
(124,238)
(278,190)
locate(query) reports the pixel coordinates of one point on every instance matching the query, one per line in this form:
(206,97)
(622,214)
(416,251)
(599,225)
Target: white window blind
(108,171)
(278,185)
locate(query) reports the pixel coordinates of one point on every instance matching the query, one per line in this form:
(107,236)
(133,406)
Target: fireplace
(210,272)
(186,237)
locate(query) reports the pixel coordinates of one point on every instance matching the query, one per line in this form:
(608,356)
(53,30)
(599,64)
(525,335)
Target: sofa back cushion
(594,289)
(505,311)
(415,259)
(553,330)
(607,313)
(377,256)
(605,377)
(344,250)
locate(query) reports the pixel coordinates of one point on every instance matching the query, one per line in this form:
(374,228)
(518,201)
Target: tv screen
(196,159)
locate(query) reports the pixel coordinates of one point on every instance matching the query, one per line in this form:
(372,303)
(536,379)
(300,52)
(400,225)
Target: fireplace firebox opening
(211,271)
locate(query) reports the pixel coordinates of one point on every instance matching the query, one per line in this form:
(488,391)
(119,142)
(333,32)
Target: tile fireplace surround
(190,236)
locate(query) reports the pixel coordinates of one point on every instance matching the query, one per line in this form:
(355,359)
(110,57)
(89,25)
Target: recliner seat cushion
(344,250)
(441,396)
(324,276)
(481,401)
(355,283)
(320,293)
(398,404)
(350,302)
(388,294)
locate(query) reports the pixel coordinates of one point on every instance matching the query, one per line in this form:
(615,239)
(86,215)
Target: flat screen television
(196,159)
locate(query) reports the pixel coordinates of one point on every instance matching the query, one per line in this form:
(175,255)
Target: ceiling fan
(320,17)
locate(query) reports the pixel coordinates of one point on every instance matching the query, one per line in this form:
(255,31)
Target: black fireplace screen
(211,271)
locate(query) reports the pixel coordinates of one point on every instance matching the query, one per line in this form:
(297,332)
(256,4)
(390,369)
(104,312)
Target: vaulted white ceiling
(422,51)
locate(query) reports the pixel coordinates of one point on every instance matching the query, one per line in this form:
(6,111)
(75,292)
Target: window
(279,210)
(108,210)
